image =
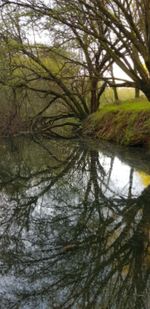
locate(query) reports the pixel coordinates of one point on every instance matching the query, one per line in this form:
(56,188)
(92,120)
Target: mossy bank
(126,124)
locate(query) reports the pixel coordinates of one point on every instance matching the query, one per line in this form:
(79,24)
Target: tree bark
(146,90)
(94,100)
(137,93)
(116,96)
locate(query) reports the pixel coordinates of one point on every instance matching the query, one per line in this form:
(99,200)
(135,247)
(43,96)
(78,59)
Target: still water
(74,225)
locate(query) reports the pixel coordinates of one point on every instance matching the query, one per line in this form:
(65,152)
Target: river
(74,225)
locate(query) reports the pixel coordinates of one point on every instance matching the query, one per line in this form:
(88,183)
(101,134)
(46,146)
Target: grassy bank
(126,124)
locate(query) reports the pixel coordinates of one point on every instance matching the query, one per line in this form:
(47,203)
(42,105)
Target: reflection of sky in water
(119,185)
(120,177)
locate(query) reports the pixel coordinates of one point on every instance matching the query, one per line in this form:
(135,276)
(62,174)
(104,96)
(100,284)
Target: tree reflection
(68,239)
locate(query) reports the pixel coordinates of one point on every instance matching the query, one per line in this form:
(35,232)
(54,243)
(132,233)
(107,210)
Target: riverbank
(125,124)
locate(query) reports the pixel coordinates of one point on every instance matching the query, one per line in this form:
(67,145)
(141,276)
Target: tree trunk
(146,91)
(94,99)
(137,93)
(116,96)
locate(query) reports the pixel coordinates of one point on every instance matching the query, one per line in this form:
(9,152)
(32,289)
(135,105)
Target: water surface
(74,225)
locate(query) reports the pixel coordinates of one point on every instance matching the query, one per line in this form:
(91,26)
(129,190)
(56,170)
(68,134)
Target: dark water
(74,226)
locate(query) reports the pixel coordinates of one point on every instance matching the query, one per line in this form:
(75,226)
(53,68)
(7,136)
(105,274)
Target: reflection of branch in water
(110,172)
(130,182)
(86,247)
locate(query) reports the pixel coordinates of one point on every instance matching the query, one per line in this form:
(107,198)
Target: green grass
(127,123)
(132,105)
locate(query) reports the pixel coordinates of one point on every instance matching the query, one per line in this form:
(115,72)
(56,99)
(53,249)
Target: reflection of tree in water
(67,240)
